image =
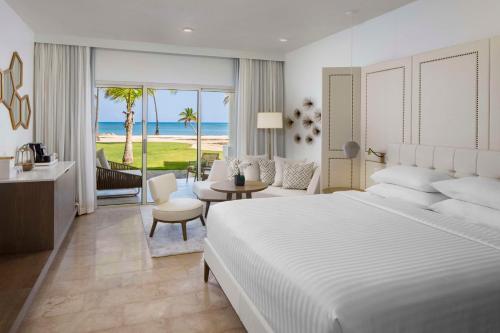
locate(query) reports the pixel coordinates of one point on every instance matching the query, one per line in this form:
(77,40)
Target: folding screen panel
(495,94)
(340,124)
(451,96)
(385,111)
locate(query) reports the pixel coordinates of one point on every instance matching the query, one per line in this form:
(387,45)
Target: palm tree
(152,93)
(129,96)
(188,116)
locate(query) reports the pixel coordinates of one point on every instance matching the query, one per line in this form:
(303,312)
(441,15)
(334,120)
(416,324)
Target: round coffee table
(229,188)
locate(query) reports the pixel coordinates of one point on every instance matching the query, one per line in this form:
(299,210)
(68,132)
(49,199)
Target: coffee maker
(41,153)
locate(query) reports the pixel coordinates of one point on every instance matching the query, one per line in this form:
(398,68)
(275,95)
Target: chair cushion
(103,161)
(204,192)
(132,172)
(178,210)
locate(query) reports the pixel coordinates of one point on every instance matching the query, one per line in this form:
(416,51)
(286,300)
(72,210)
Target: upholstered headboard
(457,162)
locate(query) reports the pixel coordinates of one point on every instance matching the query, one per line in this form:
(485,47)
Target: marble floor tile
(104,280)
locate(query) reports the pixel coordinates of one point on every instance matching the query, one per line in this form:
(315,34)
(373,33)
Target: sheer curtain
(63,112)
(260,89)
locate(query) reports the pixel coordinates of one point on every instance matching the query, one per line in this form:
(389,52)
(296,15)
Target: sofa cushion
(250,170)
(267,171)
(275,191)
(279,164)
(297,175)
(204,192)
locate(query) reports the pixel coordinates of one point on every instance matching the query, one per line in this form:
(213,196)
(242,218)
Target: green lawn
(161,155)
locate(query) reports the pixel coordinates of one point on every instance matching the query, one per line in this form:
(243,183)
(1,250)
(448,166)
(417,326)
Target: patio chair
(207,160)
(118,176)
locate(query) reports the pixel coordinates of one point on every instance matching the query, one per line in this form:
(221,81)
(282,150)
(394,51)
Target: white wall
(418,27)
(133,66)
(15,36)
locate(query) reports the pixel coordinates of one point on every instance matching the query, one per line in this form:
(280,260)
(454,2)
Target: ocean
(166,128)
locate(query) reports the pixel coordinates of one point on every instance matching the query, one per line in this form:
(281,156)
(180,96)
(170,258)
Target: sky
(169,106)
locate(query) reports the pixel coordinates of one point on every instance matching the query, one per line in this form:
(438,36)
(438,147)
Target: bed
(354,262)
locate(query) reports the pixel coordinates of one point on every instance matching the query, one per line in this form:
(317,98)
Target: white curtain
(259,89)
(63,112)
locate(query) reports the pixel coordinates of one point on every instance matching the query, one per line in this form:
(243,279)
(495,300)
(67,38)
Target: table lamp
(269,121)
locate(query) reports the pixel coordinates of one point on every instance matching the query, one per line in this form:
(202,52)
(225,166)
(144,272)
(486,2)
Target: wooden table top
(228,186)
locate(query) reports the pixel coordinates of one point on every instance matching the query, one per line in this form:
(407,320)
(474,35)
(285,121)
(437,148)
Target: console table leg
(206,272)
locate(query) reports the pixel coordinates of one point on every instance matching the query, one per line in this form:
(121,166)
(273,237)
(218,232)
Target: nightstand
(339,189)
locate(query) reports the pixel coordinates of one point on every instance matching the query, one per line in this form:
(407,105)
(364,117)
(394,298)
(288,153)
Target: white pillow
(250,170)
(279,163)
(419,179)
(478,190)
(103,161)
(469,211)
(422,199)
(251,162)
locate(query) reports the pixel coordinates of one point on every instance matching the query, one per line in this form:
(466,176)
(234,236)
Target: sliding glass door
(215,125)
(181,131)
(172,140)
(119,164)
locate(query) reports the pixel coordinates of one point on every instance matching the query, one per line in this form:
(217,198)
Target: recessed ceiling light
(283,40)
(188,29)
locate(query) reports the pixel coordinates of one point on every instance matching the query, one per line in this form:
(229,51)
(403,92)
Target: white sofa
(219,173)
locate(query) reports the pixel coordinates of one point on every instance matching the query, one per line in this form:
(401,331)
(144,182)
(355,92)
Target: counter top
(40,174)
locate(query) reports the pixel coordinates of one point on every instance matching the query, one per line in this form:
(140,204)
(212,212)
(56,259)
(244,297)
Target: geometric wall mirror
(15,111)
(25,111)
(8,88)
(10,80)
(16,69)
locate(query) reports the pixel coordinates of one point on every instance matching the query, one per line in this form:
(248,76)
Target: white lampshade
(269,120)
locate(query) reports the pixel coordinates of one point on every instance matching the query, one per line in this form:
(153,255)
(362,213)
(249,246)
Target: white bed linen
(352,262)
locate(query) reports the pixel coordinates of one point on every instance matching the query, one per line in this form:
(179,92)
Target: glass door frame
(165,86)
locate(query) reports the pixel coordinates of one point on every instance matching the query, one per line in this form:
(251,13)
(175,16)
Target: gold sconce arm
(377,154)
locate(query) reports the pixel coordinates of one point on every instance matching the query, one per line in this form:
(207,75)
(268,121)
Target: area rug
(167,239)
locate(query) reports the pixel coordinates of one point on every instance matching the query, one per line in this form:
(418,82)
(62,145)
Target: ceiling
(249,25)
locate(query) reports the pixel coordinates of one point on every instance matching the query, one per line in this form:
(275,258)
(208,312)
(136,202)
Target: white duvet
(352,262)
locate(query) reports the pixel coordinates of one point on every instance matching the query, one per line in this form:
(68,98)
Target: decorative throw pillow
(232,168)
(267,171)
(279,162)
(297,176)
(102,159)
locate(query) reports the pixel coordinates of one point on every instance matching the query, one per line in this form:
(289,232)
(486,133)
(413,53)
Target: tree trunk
(157,131)
(128,153)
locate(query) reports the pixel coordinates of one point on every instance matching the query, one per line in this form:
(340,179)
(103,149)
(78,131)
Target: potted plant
(239,179)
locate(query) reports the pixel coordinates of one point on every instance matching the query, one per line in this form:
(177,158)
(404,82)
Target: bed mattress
(353,262)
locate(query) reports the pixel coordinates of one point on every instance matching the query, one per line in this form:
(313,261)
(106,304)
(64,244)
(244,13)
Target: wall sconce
(377,154)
